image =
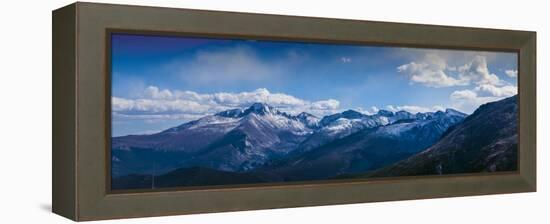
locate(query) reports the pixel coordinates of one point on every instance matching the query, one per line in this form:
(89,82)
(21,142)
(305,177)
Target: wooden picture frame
(81,111)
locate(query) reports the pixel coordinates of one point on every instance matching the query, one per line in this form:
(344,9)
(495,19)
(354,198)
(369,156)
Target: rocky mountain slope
(486,141)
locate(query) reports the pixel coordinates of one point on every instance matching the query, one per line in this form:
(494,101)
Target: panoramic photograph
(199,112)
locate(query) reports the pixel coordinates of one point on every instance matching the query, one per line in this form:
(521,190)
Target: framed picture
(202,111)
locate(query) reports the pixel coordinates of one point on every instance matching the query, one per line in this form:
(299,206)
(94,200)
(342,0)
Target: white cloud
(345,59)
(156,104)
(153,92)
(470,99)
(414,109)
(259,95)
(433,71)
(363,111)
(151,118)
(418,109)
(463,94)
(490,90)
(374,109)
(511,73)
(477,72)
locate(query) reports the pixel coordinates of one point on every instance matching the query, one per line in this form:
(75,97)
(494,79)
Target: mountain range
(263,144)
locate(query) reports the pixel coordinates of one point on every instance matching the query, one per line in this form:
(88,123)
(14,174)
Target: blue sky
(161,81)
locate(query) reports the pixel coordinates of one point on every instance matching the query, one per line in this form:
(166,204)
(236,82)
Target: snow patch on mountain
(396,129)
(308,119)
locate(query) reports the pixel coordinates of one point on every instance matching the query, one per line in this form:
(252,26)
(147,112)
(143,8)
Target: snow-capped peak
(231,113)
(352,114)
(454,112)
(403,113)
(348,114)
(308,119)
(261,109)
(385,113)
(305,115)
